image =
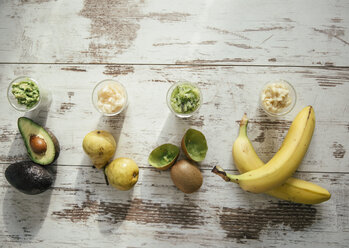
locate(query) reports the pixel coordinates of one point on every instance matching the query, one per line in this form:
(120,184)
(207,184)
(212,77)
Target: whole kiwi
(186,176)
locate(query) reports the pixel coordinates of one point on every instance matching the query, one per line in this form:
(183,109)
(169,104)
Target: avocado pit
(37,144)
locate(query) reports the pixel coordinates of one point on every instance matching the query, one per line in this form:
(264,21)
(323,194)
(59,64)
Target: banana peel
(291,189)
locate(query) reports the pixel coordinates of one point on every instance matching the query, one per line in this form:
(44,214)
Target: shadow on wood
(23,215)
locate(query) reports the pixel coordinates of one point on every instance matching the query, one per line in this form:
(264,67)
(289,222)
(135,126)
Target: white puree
(276,96)
(111,98)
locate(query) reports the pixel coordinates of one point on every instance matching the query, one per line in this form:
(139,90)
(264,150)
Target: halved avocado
(194,145)
(163,156)
(42,146)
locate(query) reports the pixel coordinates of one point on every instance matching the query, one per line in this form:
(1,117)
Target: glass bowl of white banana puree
(109,97)
(278,97)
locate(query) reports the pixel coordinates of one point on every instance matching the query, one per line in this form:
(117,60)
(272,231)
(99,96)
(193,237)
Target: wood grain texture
(155,213)
(228,92)
(161,32)
(82,210)
(230,49)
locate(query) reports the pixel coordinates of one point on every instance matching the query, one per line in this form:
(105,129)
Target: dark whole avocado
(42,146)
(28,177)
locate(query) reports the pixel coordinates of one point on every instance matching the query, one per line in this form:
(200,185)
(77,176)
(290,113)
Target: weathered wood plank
(81,210)
(157,31)
(228,92)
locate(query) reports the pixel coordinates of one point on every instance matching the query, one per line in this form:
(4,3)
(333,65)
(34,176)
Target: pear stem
(105,177)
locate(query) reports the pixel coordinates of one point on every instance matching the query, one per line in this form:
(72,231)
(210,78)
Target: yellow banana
(295,190)
(284,163)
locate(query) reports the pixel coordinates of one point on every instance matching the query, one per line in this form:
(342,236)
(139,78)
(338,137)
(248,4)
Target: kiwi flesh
(163,156)
(194,145)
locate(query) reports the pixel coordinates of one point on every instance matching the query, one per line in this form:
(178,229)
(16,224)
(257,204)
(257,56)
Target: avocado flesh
(27,128)
(28,177)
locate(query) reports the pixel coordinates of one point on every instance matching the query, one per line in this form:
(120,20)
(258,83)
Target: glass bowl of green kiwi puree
(184,99)
(24,94)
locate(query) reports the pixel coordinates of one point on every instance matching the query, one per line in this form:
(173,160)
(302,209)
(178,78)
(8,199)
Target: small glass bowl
(12,99)
(292,95)
(100,85)
(168,99)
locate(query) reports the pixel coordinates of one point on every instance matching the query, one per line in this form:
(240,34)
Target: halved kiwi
(194,145)
(163,156)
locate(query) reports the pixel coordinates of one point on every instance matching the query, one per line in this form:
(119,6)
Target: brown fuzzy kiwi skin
(186,176)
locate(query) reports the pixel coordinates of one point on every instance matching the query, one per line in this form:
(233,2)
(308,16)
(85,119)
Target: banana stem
(219,170)
(243,126)
(226,176)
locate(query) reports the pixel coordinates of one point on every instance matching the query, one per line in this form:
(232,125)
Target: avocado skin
(56,143)
(28,177)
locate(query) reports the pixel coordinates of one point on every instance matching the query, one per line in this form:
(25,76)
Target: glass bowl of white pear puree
(278,97)
(109,97)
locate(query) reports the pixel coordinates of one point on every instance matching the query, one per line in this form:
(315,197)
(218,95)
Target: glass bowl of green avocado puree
(184,99)
(23,94)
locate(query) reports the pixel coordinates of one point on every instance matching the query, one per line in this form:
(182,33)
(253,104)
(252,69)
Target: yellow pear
(122,173)
(100,146)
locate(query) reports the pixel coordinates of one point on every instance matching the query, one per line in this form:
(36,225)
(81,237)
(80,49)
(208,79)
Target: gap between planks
(202,168)
(178,64)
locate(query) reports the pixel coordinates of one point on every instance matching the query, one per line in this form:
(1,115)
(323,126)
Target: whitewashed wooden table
(230,48)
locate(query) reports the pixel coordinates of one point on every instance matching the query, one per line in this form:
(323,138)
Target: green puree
(26,92)
(185,98)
